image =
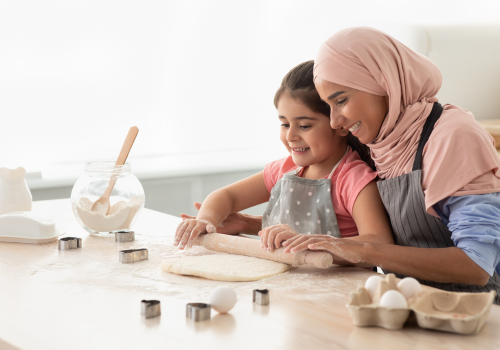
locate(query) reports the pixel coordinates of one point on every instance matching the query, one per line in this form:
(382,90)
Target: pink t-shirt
(350,177)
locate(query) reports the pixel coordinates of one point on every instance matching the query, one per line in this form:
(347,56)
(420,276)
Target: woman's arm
(445,265)
(370,217)
(219,204)
(475,228)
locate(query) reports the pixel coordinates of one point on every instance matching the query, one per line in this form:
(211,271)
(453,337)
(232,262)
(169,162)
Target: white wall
(197,77)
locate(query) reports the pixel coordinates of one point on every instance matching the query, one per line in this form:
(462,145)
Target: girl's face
(306,134)
(360,112)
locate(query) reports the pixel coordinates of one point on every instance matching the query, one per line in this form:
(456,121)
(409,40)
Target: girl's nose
(292,135)
(336,120)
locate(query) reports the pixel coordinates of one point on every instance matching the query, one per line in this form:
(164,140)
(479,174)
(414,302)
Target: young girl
(323,187)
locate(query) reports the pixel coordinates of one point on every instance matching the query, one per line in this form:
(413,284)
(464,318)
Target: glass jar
(125,201)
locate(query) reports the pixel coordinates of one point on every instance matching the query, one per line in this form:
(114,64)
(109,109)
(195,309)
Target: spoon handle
(127,145)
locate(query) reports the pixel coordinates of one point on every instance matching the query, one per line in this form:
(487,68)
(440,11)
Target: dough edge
(217,272)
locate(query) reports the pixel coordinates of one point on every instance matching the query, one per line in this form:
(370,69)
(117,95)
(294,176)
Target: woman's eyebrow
(335,94)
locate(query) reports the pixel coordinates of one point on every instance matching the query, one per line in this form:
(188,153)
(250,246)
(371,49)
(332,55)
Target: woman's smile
(359,112)
(355,128)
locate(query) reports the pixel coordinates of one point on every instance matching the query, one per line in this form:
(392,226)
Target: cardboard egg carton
(463,313)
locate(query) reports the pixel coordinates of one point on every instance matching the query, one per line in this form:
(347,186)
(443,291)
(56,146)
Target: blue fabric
(474,222)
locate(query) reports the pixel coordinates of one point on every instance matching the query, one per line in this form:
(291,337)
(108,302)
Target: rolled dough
(224,267)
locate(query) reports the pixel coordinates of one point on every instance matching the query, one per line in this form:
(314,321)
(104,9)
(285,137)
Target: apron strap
(336,165)
(297,170)
(437,109)
(294,171)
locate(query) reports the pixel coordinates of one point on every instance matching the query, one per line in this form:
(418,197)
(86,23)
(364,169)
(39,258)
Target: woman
(439,169)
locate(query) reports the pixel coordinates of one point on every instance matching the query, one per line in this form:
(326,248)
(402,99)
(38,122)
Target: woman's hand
(345,249)
(272,236)
(189,229)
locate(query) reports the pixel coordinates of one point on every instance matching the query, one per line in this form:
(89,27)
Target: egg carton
(463,313)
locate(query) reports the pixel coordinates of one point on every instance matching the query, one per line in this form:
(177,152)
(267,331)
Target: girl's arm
(219,204)
(234,223)
(370,217)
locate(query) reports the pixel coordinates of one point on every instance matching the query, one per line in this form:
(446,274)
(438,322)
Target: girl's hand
(345,249)
(189,229)
(233,224)
(272,236)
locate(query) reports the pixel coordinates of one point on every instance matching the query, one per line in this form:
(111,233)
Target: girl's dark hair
(299,84)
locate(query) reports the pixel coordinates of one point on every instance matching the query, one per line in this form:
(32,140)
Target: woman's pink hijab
(459,158)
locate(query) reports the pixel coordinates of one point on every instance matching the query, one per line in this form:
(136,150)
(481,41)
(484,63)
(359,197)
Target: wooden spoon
(102,204)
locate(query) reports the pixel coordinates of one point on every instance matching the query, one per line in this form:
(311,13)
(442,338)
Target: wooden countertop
(87,299)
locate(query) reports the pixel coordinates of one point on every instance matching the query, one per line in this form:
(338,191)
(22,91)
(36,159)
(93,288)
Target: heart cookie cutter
(150,308)
(133,255)
(67,243)
(198,311)
(261,296)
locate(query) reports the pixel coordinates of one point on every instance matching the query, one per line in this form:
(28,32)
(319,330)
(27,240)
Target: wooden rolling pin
(252,247)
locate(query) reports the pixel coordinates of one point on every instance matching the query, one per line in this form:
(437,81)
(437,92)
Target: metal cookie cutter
(198,311)
(67,243)
(124,236)
(150,308)
(261,296)
(133,255)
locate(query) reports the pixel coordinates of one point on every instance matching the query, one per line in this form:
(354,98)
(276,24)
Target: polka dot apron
(303,204)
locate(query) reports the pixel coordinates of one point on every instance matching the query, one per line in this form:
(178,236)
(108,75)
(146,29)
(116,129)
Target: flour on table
(120,214)
(224,267)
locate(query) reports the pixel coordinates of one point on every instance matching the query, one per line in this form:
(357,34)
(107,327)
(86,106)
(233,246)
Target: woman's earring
(344,132)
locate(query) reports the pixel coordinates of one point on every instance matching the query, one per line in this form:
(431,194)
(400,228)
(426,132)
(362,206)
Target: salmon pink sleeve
(275,170)
(353,177)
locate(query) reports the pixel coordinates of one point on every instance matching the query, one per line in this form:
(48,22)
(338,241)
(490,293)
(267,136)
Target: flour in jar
(120,214)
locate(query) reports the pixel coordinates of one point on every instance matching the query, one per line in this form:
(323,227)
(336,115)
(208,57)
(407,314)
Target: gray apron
(411,225)
(303,204)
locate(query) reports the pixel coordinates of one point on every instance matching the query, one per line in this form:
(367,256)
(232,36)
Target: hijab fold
(459,150)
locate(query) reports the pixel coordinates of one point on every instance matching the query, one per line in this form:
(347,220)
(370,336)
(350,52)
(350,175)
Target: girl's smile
(308,137)
(300,151)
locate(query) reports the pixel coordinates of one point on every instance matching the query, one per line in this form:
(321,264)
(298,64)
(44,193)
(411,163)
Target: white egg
(394,300)
(409,287)
(222,299)
(372,283)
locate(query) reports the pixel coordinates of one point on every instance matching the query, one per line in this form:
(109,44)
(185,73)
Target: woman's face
(306,134)
(360,112)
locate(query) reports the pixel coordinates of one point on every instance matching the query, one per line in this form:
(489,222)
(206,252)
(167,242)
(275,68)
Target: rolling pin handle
(321,260)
